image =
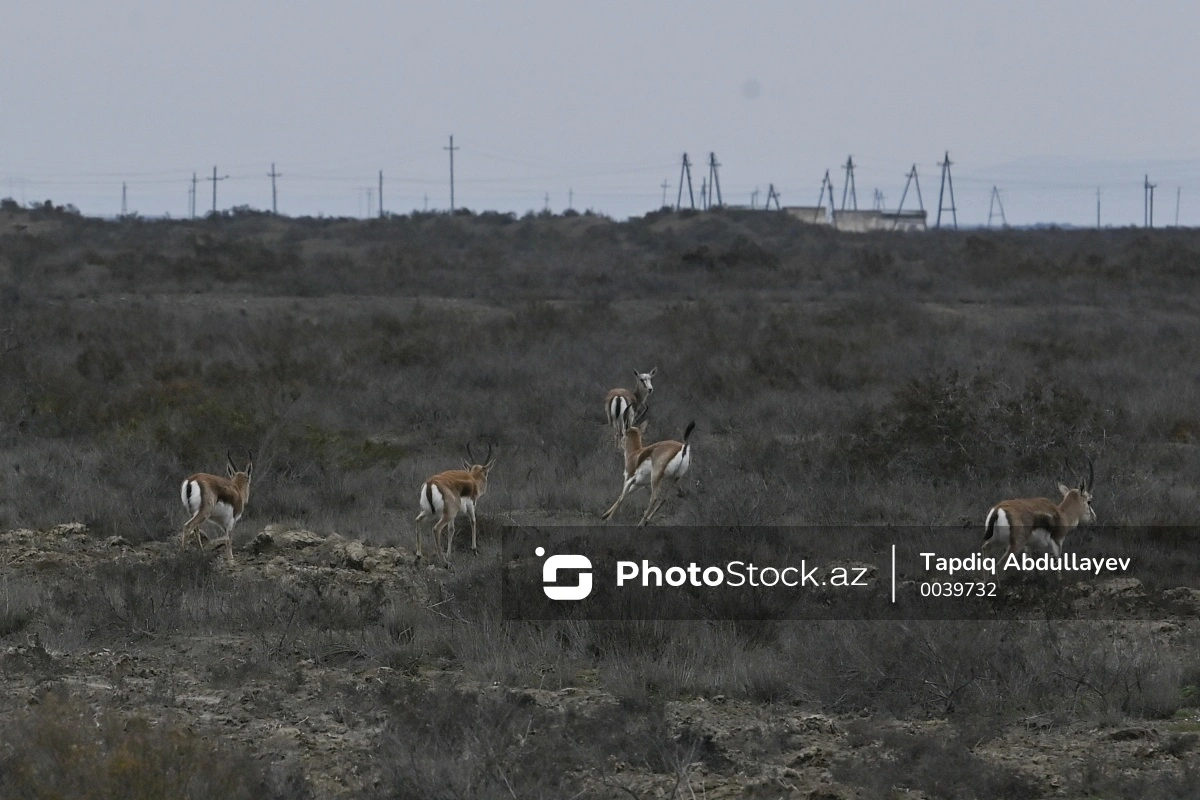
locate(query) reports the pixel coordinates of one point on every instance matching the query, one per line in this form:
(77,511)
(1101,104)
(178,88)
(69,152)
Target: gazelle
(211,498)
(446,494)
(1014,523)
(622,405)
(659,466)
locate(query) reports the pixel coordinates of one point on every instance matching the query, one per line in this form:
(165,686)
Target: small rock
(1130,734)
(354,555)
(272,538)
(1127,588)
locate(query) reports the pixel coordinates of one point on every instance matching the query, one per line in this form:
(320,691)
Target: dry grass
(834,379)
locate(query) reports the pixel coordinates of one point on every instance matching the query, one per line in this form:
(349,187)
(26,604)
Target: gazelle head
(240,477)
(637,430)
(479,471)
(645,383)
(1081,498)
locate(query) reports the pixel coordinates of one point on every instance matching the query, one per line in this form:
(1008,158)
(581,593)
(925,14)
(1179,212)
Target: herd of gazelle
(1011,524)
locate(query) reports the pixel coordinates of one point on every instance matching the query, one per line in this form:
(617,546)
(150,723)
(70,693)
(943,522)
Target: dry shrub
(943,425)
(940,765)
(59,749)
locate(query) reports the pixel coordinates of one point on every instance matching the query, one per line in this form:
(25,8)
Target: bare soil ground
(322,713)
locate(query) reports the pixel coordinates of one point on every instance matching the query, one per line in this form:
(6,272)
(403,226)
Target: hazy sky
(1046,100)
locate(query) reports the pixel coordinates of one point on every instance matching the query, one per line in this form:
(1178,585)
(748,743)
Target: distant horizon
(592,106)
(34,206)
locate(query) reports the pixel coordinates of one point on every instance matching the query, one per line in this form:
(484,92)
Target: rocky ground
(319,711)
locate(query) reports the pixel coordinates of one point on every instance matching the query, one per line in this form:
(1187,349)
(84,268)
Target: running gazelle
(1014,523)
(659,466)
(446,494)
(211,498)
(621,406)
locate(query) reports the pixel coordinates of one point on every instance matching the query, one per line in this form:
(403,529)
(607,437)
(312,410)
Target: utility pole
(546,208)
(123,206)
(665,185)
(1148,202)
(451,148)
(772,195)
(274,197)
(570,199)
(946,178)
(826,182)
(993,203)
(685,169)
(214,180)
(878,203)
(849,184)
(754,198)
(1178,191)
(1097,207)
(193,195)
(912,179)
(704,193)
(381,194)
(714,180)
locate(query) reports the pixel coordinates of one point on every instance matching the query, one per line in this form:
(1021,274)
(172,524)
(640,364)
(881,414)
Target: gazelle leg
(450,530)
(474,544)
(229,543)
(417,533)
(629,484)
(657,499)
(193,525)
(438,528)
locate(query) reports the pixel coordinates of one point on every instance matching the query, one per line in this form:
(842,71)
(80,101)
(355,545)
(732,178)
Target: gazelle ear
(1062,487)
(653,372)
